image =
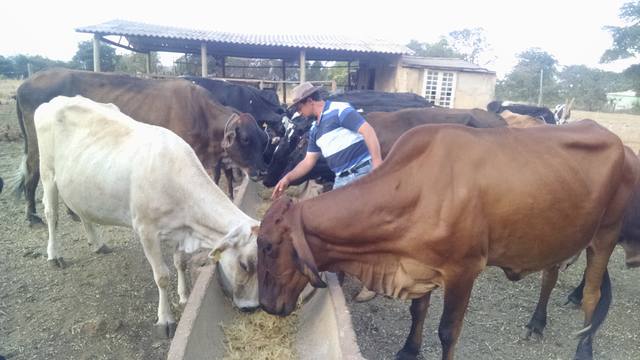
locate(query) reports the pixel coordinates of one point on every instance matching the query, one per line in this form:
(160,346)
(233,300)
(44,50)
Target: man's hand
(280,187)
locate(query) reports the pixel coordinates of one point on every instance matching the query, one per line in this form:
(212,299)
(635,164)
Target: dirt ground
(103,306)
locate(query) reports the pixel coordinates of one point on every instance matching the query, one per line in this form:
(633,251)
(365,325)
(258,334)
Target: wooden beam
(203,59)
(302,66)
(96,53)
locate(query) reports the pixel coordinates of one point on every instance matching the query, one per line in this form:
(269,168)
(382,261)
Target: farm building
(623,100)
(373,64)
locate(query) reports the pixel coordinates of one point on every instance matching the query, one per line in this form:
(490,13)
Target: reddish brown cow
(439,210)
(185,108)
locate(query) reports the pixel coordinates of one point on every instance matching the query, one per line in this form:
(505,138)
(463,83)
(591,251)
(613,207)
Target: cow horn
(306,262)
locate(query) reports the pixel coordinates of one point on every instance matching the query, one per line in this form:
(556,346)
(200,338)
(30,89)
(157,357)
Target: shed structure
(381,65)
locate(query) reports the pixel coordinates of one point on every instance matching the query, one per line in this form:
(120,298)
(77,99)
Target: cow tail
(601,310)
(19,178)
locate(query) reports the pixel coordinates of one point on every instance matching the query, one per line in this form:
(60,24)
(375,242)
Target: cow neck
(346,232)
(211,215)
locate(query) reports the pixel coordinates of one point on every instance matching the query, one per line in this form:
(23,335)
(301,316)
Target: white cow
(112,170)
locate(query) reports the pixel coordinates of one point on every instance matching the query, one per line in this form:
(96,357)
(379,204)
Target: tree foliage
(523,82)
(626,39)
(442,48)
(137,63)
(83,59)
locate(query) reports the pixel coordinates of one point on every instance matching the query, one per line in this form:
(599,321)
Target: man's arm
(297,172)
(371,140)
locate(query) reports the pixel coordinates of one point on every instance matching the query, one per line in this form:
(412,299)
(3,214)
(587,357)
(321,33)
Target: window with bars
(439,87)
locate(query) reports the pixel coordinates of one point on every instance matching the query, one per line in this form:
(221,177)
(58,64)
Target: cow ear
(305,261)
(226,242)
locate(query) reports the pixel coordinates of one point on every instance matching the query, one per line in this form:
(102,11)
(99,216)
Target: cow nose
(249,309)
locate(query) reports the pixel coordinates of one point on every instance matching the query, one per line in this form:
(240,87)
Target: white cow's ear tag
(215,255)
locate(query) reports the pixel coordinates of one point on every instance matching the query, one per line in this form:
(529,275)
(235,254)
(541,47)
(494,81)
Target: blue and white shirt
(336,136)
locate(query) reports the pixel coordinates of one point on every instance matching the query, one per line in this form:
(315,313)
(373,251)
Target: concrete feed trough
(324,324)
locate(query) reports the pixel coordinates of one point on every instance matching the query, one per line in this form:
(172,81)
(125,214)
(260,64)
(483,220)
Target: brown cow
(439,210)
(521,121)
(185,108)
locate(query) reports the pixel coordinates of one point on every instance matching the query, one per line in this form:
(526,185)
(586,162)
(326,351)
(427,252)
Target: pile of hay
(260,336)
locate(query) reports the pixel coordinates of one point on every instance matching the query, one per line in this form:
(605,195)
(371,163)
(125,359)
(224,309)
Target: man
(342,136)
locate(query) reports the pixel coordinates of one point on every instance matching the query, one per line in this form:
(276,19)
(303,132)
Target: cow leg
(181,265)
(228,174)
(31,183)
(456,299)
(539,318)
(166,325)
(576,295)
(596,295)
(73,215)
(99,247)
(413,343)
(241,190)
(216,172)
(50,201)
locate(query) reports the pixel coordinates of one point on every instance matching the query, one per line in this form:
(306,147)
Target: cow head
(285,261)
(245,143)
(237,265)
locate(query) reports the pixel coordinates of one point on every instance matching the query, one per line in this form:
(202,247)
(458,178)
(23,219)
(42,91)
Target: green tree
(83,58)
(137,63)
(626,39)
(587,86)
(441,48)
(523,82)
(472,44)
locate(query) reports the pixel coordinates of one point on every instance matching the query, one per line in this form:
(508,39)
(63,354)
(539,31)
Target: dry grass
(626,126)
(8,89)
(260,336)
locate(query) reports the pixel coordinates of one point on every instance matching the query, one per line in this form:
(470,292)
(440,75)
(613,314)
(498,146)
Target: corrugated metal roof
(324,42)
(443,63)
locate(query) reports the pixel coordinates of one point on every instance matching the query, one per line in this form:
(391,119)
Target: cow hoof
(532,334)
(164,331)
(104,249)
(35,221)
(406,355)
(57,262)
(365,295)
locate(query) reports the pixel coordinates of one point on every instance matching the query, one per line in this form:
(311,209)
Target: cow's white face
(237,270)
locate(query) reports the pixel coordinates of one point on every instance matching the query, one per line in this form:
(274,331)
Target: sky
(570,30)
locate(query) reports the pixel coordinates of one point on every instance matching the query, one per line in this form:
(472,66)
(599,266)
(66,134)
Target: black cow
(541,112)
(388,126)
(262,104)
(370,100)
(290,150)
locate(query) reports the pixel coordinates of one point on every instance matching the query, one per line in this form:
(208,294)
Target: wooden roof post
(284,81)
(302,66)
(148,62)
(203,59)
(96,53)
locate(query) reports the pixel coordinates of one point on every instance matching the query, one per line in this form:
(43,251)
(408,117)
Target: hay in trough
(260,336)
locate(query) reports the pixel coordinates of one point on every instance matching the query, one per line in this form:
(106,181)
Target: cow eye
(244,267)
(268,248)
